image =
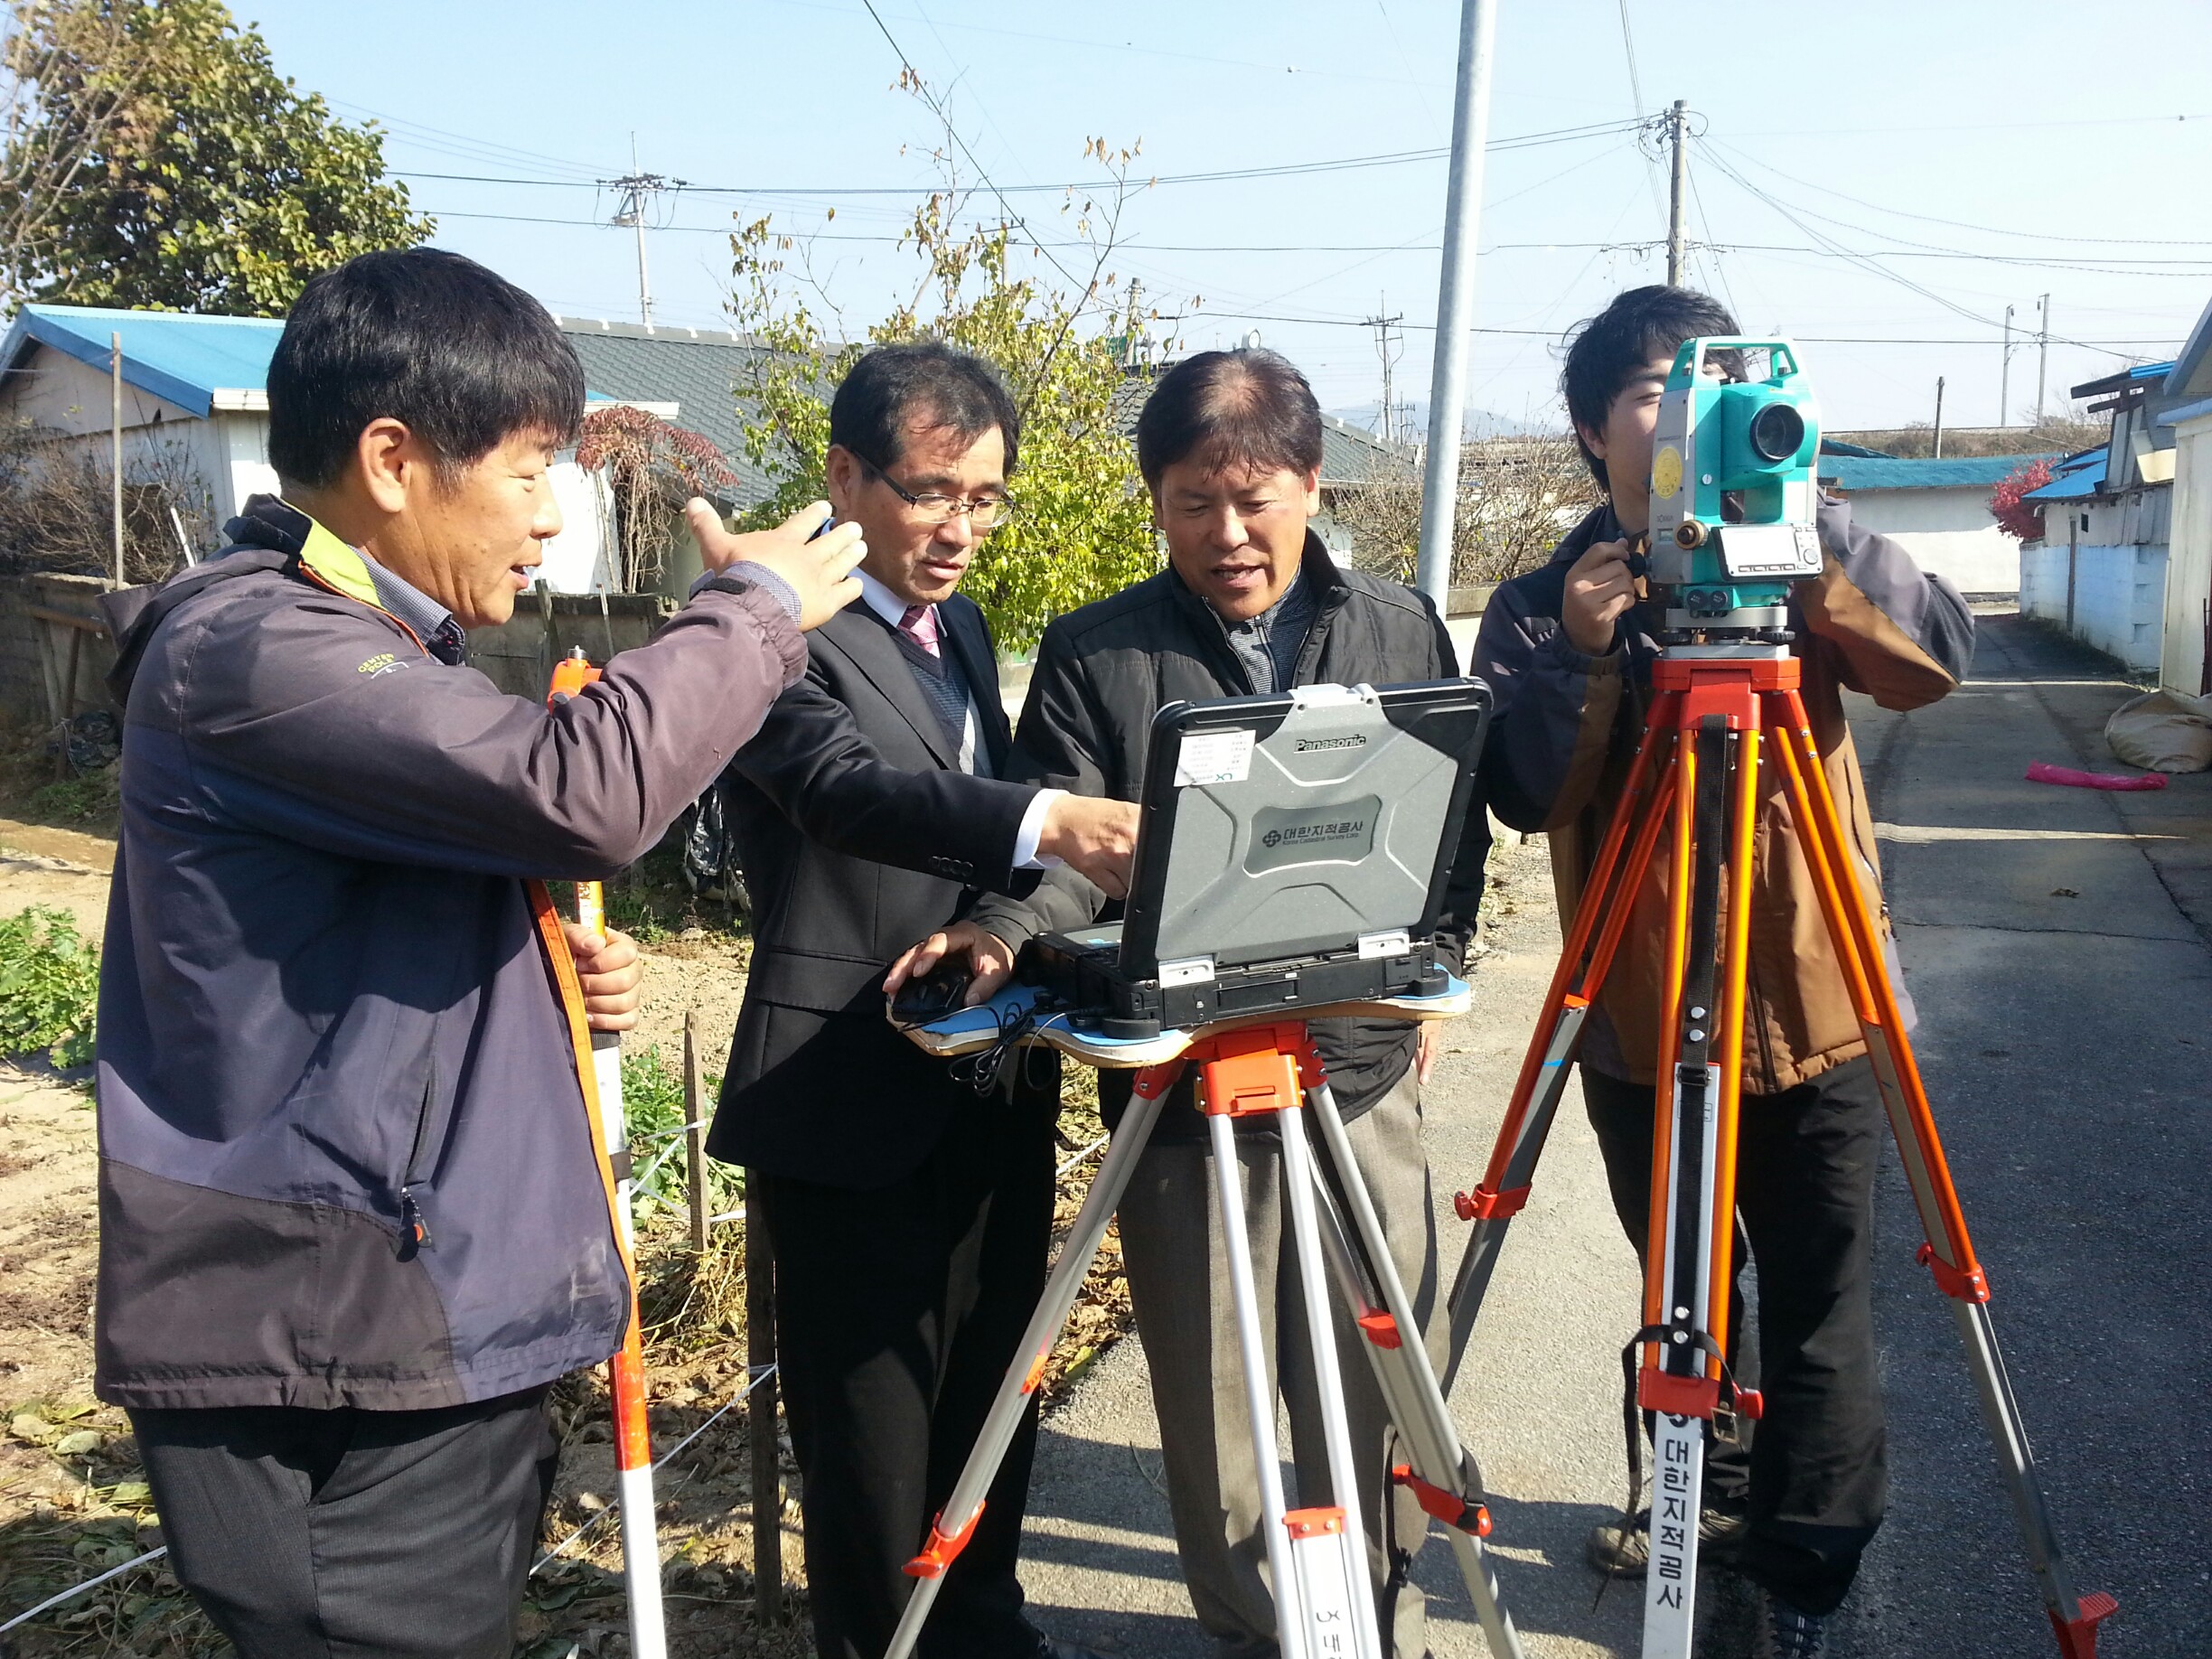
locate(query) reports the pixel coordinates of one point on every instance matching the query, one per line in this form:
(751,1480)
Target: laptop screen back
(1284,827)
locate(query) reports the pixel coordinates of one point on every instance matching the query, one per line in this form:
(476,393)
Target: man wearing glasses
(908,1215)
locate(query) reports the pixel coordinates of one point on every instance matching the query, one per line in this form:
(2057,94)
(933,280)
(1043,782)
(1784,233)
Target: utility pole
(2004,375)
(1677,133)
(638,191)
(1939,386)
(114,453)
(2042,354)
(1456,298)
(1382,326)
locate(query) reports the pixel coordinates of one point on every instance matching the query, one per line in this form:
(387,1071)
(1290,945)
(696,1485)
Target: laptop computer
(1292,851)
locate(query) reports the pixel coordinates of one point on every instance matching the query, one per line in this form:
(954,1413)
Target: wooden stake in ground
(767,1477)
(695,1132)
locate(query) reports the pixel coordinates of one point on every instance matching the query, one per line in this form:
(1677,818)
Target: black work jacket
(1104,672)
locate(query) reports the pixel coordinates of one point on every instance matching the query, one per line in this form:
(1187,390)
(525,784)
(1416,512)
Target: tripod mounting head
(1733,492)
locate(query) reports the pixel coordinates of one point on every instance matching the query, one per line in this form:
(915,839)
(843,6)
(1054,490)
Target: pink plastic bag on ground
(2042,772)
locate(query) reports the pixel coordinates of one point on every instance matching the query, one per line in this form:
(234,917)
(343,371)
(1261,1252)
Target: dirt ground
(72,1499)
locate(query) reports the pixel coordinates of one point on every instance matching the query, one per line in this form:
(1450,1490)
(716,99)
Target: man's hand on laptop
(1095,838)
(814,563)
(990,960)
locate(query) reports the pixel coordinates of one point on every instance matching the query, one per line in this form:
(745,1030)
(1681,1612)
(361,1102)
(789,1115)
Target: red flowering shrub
(2014,516)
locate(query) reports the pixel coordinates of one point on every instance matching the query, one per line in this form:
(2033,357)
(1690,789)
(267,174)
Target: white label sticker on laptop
(1214,758)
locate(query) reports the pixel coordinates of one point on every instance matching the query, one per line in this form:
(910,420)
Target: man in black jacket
(1230,444)
(908,1216)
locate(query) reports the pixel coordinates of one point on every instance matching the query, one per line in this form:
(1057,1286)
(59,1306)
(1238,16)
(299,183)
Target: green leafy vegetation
(49,988)
(1083,528)
(653,1111)
(197,177)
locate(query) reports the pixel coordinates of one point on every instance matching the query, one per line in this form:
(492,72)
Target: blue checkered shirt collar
(433,623)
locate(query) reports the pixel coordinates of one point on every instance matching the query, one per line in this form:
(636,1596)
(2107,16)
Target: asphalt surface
(2058,944)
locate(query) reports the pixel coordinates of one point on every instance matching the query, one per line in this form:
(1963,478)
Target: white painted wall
(1948,533)
(2188,570)
(576,560)
(2119,595)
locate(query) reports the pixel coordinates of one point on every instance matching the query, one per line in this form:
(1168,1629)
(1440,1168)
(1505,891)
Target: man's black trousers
(898,1311)
(352,1534)
(1815,1482)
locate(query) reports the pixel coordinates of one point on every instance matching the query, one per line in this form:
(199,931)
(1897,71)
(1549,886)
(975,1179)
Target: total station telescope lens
(1776,432)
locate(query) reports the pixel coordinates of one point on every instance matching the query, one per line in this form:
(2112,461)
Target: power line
(1394,158)
(1955,224)
(937,108)
(1708,244)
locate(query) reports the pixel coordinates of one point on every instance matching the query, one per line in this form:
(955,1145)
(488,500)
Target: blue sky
(1848,151)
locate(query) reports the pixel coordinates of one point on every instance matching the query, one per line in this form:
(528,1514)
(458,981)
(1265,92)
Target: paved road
(2067,1041)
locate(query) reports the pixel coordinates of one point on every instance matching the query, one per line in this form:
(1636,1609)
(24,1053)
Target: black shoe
(1785,1631)
(1624,1552)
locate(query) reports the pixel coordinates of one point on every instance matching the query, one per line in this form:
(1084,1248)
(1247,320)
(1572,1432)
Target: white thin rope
(78,1589)
(1080,1156)
(757,1378)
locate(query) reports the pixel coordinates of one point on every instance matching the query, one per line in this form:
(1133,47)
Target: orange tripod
(1720,712)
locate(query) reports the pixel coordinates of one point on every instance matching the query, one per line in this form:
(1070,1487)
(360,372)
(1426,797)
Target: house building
(2100,570)
(195,411)
(2184,654)
(1937,510)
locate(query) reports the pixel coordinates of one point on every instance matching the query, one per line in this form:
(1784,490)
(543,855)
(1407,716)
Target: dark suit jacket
(860,835)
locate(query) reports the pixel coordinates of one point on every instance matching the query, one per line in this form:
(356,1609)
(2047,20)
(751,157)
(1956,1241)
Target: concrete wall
(519,656)
(2119,595)
(2189,572)
(1948,533)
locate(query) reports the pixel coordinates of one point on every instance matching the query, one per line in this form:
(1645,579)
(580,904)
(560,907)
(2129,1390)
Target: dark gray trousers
(1171,1244)
(352,1534)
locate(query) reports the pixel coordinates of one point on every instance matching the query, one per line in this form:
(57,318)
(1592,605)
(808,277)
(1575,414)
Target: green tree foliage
(1084,525)
(213,183)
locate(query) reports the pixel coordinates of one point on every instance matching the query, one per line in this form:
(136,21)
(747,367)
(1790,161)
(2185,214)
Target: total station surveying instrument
(1732,526)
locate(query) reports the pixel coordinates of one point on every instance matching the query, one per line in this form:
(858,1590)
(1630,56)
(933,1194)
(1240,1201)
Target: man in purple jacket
(351,1220)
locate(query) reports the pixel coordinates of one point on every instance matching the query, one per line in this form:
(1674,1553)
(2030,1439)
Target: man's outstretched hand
(611,971)
(1093,837)
(990,959)
(820,572)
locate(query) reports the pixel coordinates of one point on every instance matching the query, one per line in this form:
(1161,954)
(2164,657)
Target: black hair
(1249,408)
(927,383)
(461,355)
(1606,351)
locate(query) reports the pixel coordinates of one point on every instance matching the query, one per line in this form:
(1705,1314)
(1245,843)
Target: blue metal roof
(2074,479)
(186,359)
(1852,473)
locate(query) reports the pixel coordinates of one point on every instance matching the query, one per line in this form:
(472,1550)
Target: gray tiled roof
(693,368)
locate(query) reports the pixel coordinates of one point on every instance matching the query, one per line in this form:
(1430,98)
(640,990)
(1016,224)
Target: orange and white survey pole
(626,1370)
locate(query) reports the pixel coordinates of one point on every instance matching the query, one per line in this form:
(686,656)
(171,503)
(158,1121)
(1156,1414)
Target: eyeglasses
(984,514)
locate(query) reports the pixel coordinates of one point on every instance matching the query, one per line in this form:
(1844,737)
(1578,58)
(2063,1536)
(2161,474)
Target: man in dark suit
(909,1216)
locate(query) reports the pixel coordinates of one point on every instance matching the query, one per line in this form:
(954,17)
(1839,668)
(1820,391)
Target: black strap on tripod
(1632,1422)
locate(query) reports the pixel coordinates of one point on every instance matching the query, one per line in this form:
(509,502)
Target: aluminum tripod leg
(1440,1470)
(950,1534)
(1949,1251)
(1347,1560)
